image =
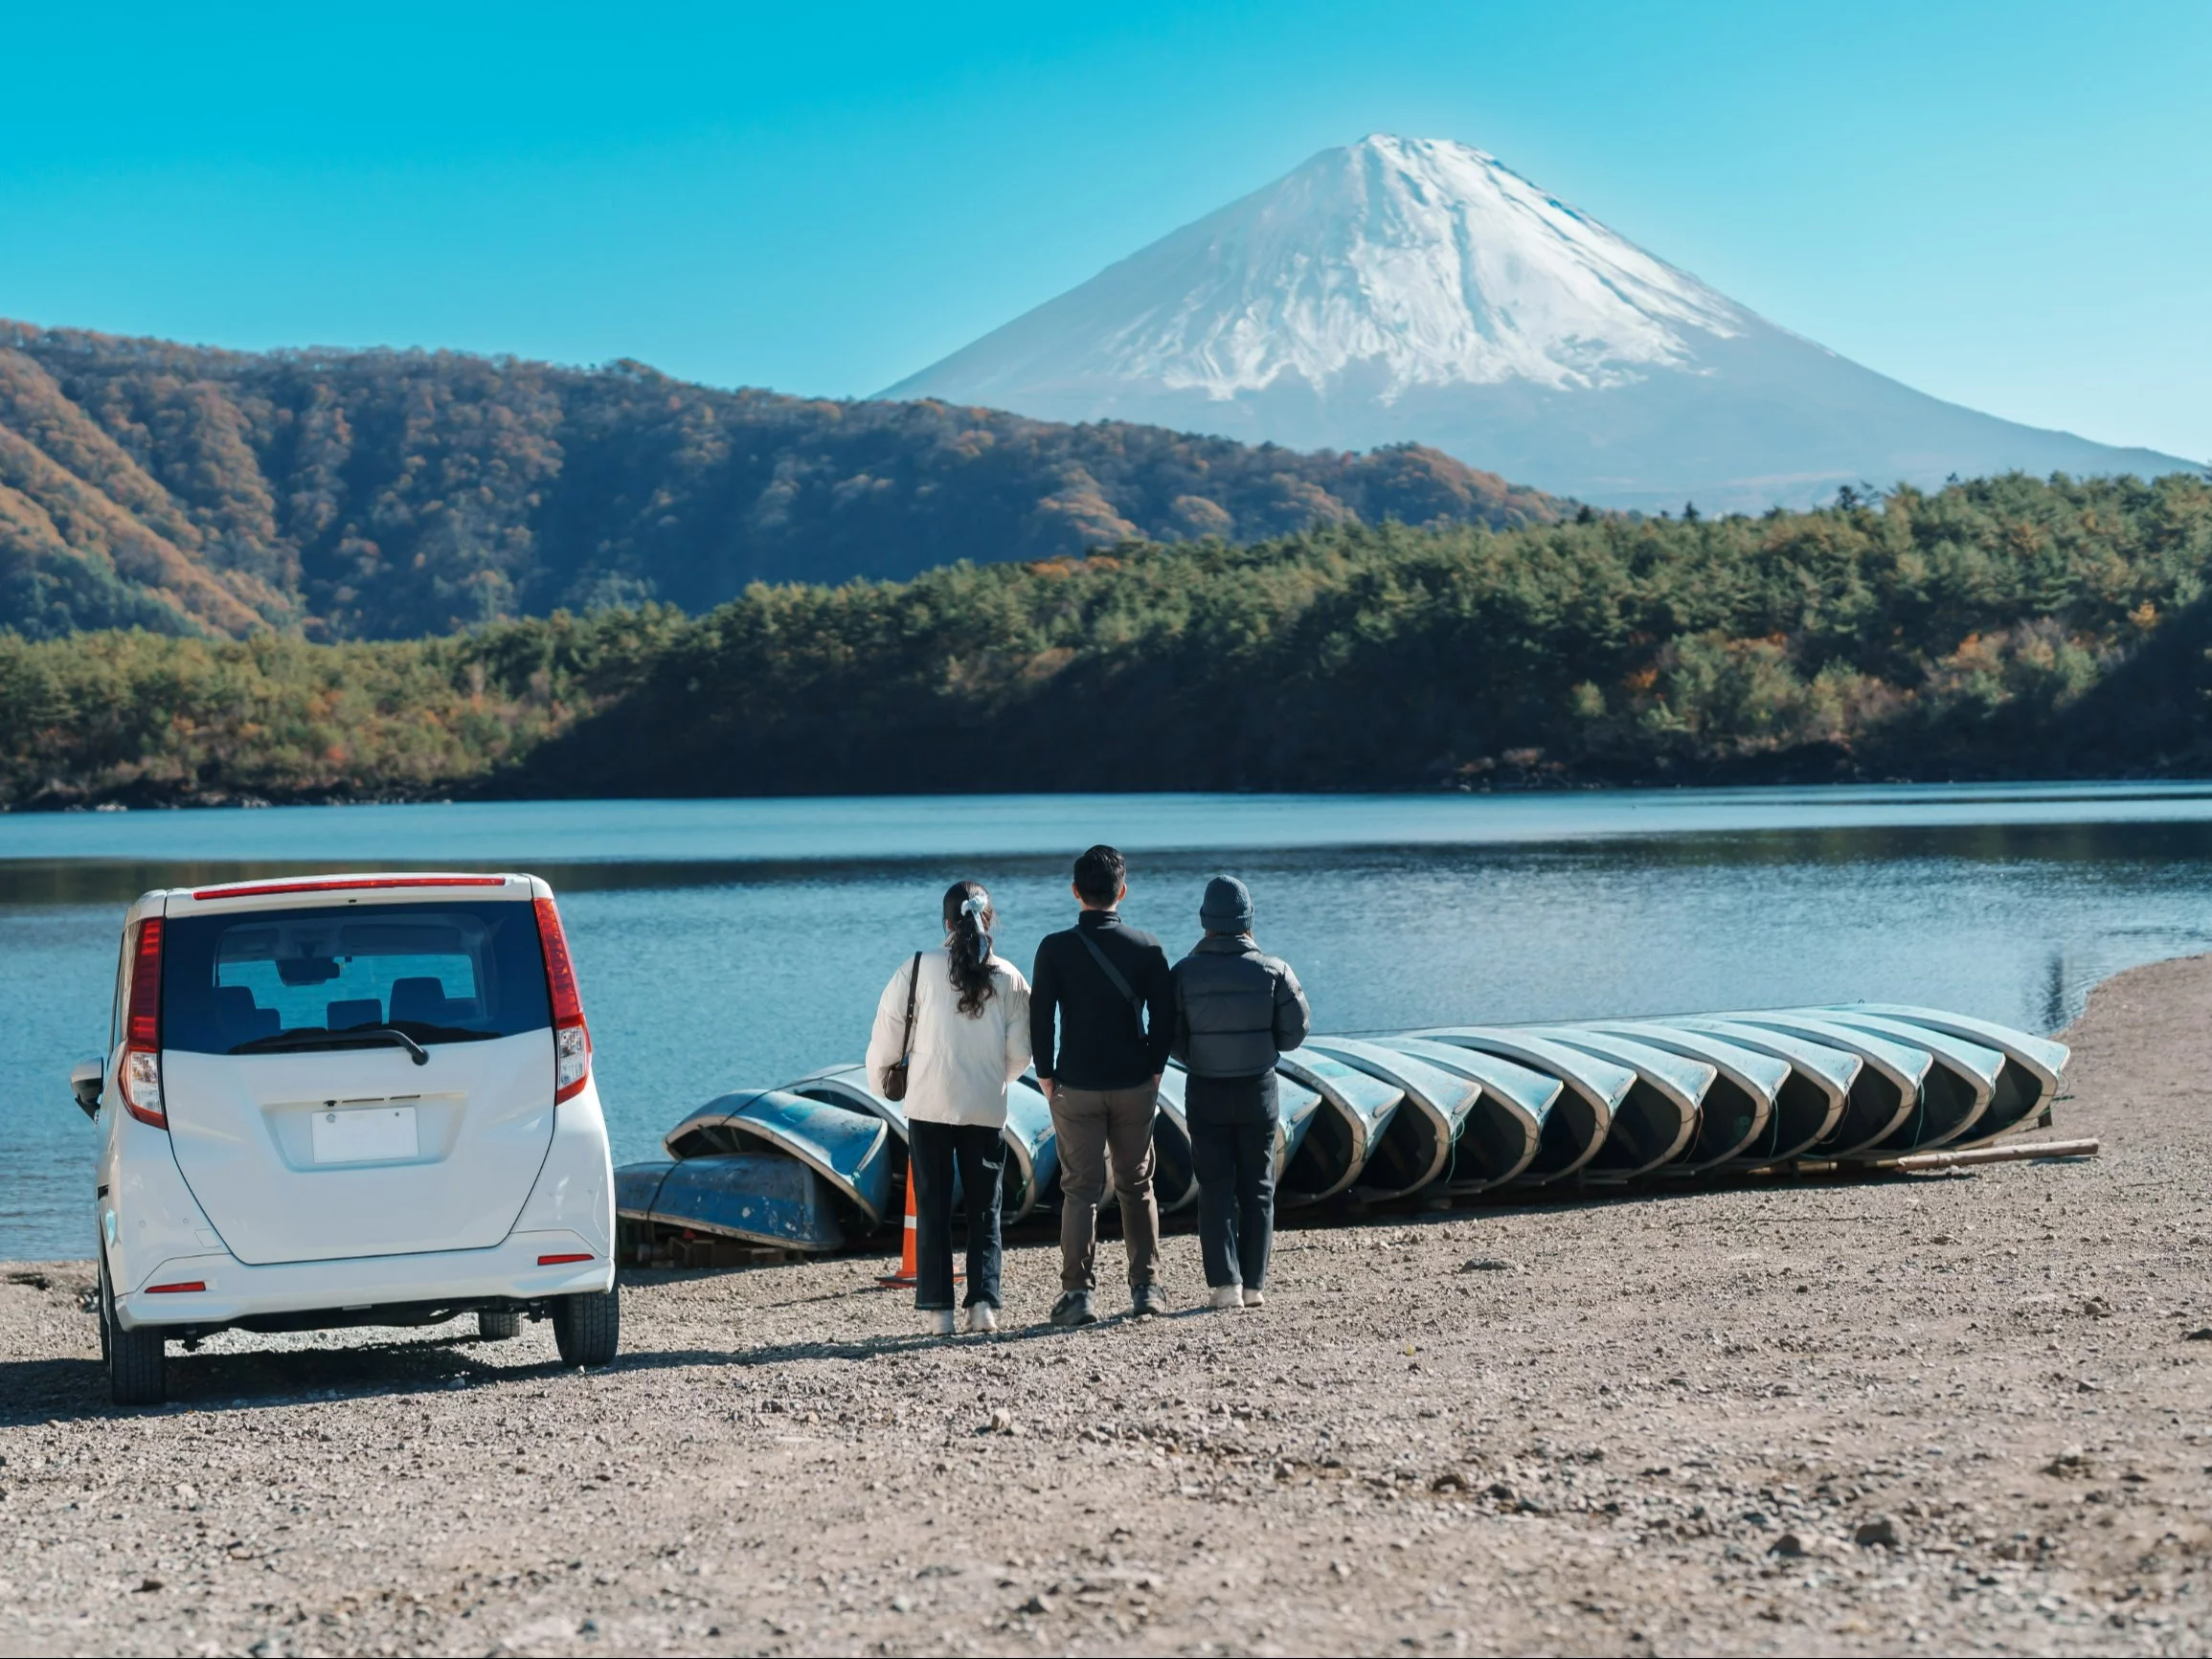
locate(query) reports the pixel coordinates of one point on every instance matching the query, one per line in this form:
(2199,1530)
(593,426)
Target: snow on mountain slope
(1431,260)
(1419,289)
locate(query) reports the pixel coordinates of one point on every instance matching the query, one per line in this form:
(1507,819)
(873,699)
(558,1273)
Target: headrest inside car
(242,1019)
(421,999)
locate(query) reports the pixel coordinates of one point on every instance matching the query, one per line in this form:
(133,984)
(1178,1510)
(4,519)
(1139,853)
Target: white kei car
(348,1100)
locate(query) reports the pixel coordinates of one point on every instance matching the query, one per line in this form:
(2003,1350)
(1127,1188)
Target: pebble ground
(1957,1414)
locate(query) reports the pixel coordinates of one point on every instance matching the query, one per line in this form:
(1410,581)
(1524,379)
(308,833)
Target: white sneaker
(1226,1296)
(1254,1299)
(983,1317)
(937,1322)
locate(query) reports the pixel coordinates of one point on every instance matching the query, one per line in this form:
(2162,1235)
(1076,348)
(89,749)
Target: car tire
(137,1360)
(587,1328)
(498,1324)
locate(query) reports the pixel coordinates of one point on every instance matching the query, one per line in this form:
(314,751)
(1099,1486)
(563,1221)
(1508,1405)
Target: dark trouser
(981,1153)
(1101,1131)
(1232,1128)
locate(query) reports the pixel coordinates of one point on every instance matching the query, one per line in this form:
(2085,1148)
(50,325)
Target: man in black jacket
(1236,1011)
(1109,985)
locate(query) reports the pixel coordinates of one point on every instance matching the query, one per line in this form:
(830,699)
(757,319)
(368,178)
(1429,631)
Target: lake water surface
(722,944)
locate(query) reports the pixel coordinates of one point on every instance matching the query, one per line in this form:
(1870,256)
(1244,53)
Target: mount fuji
(1419,290)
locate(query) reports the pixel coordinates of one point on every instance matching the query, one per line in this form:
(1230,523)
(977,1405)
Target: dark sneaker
(1147,1301)
(1073,1309)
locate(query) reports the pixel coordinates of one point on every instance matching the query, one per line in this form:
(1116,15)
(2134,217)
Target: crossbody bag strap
(912,987)
(1114,976)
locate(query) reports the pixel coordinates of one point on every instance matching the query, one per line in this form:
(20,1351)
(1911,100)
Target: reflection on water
(2055,1009)
(748,962)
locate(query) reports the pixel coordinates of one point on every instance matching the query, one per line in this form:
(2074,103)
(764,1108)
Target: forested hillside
(2002,628)
(387,495)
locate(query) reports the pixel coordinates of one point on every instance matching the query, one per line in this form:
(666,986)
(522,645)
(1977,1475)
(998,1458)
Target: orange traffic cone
(904,1279)
(906,1275)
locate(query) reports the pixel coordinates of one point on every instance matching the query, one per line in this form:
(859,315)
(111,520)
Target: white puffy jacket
(961,1066)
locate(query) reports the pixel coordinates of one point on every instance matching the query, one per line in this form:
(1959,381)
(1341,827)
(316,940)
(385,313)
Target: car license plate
(370,1135)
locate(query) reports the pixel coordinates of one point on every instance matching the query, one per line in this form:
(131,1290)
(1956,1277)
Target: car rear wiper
(355,1037)
(424,1032)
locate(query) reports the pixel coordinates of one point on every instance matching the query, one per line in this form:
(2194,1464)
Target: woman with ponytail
(951,1031)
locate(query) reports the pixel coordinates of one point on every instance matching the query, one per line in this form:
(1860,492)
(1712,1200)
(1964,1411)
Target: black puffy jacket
(1236,1008)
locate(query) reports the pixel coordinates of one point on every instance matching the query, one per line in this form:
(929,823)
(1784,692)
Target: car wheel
(137,1360)
(498,1324)
(587,1328)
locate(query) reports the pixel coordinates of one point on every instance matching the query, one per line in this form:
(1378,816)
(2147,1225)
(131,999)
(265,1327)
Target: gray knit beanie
(1226,908)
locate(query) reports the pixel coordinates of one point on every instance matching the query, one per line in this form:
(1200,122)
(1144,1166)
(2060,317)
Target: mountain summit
(1419,289)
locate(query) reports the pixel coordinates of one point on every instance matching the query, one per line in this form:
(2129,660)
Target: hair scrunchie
(974,907)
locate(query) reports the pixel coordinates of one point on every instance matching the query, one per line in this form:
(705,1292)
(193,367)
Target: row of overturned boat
(1444,1113)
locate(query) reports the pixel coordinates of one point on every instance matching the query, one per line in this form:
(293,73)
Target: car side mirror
(86,1079)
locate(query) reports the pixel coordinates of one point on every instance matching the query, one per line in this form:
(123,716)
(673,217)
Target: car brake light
(572,1036)
(139,1076)
(573,1256)
(342,883)
(180,1285)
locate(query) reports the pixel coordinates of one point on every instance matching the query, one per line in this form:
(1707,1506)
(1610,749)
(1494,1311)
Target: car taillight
(572,1036)
(140,1075)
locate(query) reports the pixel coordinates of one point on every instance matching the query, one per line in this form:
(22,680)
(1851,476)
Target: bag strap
(912,987)
(1114,976)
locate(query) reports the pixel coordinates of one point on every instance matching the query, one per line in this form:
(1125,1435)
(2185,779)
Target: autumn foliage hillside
(380,495)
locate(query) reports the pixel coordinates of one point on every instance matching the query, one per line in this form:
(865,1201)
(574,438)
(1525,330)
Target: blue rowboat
(1033,1170)
(1582,1119)
(762,1198)
(1971,1071)
(1661,1115)
(1830,1095)
(1296,1108)
(637,1185)
(1415,1150)
(845,1147)
(1501,1137)
(1032,1158)
(1355,1110)
(847,1085)
(1890,1081)
(1174,1180)
(1739,1108)
(2034,1065)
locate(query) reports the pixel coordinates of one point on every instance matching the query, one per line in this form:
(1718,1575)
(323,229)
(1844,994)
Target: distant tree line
(2008,627)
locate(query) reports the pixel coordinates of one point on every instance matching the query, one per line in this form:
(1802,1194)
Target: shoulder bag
(894,1074)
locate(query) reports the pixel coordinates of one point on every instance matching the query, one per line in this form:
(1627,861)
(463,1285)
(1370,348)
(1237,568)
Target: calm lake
(722,944)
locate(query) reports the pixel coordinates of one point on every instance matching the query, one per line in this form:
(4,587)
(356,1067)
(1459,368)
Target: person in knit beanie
(1236,1009)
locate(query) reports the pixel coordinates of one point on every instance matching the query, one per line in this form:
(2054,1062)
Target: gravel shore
(1955,1413)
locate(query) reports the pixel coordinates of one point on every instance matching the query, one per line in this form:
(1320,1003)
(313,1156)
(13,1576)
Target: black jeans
(1232,1128)
(981,1155)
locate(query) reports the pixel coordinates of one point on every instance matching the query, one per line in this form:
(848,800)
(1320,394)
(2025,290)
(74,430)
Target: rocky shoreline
(1948,1412)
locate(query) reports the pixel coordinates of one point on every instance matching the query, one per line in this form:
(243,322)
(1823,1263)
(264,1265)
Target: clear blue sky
(2007,204)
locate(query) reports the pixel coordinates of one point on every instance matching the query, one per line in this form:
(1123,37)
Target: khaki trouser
(1102,1128)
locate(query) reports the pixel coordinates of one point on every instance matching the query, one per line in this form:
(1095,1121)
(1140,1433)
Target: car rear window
(441,973)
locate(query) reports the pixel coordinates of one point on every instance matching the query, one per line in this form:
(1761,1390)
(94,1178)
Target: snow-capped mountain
(1418,289)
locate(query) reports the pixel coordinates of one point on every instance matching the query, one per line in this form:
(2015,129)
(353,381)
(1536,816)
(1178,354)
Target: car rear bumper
(234,1293)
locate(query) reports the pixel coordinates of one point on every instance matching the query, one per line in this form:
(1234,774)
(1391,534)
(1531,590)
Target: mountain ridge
(387,494)
(1421,290)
